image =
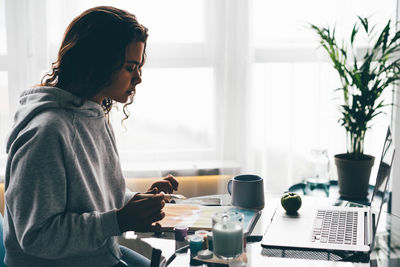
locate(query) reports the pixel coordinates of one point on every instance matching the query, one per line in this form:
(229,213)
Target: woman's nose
(137,78)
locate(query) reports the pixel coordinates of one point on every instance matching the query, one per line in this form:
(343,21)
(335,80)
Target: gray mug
(247,191)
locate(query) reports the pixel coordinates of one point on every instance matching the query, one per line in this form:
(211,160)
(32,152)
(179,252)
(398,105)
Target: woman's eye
(131,68)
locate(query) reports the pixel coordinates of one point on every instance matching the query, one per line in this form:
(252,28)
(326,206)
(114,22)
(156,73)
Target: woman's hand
(139,214)
(166,185)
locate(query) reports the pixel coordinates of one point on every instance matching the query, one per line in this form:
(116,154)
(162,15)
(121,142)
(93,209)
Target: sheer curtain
(177,119)
(396,167)
(230,86)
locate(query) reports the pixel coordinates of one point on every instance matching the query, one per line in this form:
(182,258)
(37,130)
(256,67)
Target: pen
(168,196)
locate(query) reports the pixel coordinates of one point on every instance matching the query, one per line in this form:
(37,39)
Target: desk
(385,254)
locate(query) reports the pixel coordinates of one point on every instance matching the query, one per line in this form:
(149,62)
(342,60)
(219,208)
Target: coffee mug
(247,191)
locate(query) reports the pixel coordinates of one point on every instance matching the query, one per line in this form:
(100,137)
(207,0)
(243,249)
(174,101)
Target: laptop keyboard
(335,227)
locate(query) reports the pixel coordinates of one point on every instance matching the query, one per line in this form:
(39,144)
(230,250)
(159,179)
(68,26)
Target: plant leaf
(364,22)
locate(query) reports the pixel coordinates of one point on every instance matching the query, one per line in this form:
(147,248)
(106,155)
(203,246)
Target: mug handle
(230,187)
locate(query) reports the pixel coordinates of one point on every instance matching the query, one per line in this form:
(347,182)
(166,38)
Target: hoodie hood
(36,100)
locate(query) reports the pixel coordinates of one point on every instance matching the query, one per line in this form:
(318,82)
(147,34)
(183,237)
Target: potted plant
(363,79)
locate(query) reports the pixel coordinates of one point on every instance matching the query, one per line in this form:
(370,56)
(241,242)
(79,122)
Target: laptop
(334,228)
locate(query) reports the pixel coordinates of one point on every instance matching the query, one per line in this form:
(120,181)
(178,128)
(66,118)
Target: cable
(173,256)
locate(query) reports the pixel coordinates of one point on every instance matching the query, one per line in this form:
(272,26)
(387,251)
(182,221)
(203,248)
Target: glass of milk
(227,234)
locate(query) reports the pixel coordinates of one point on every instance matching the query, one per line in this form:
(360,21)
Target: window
(227,84)
(293,81)
(174,116)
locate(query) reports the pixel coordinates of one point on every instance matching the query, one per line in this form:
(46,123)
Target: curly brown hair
(93,49)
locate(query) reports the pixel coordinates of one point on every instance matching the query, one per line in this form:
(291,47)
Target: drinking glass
(321,172)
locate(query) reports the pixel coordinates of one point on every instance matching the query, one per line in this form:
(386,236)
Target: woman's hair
(93,49)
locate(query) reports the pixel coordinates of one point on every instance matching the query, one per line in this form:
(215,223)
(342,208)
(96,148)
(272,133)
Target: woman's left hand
(166,185)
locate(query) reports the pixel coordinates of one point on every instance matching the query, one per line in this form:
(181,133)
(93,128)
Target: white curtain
(294,108)
(396,167)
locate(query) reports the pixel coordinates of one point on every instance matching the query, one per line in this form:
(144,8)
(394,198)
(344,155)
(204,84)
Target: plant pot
(353,175)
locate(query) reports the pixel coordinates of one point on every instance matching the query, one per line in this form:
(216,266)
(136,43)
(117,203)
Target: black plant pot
(353,176)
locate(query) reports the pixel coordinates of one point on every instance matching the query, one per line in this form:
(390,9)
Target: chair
(2,248)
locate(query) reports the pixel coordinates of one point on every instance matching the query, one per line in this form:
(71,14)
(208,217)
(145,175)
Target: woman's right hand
(139,214)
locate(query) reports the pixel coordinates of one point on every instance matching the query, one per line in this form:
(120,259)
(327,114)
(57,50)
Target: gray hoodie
(63,183)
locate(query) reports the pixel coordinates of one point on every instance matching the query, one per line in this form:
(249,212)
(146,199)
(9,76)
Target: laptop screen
(380,195)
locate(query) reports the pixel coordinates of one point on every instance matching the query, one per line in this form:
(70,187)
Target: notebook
(339,228)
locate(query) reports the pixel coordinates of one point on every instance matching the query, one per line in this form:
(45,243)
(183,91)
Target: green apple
(291,202)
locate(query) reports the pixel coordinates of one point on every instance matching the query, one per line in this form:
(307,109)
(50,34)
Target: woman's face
(124,81)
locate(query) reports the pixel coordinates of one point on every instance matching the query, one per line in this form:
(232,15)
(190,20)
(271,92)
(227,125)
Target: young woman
(66,200)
